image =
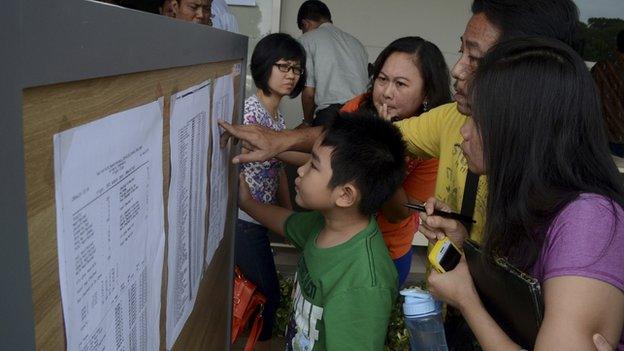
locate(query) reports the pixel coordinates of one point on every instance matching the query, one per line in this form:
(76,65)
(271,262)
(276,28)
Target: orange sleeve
(398,236)
(353,104)
(419,185)
(421,181)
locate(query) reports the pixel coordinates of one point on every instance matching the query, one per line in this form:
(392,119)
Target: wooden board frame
(65,63)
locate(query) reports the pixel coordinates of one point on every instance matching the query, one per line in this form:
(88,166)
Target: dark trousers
(326,116)
(403,265)
(254,257)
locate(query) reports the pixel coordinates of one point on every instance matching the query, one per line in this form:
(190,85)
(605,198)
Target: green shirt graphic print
(344,294)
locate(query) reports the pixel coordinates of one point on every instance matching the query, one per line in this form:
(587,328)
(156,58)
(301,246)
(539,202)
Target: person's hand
(261,142)
(382,111)
(435,228)
(454,287)
(244,193)
(601,343)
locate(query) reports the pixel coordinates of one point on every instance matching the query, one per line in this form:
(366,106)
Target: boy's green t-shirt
(343,295)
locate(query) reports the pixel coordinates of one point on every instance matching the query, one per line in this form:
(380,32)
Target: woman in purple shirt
(555,199)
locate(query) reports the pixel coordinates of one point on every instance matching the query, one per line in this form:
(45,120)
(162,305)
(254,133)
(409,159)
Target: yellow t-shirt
(435,134)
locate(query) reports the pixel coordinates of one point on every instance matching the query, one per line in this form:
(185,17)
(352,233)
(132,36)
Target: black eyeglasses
(284,67)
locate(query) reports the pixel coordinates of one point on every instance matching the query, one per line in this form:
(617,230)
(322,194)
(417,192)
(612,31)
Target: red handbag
(246,301)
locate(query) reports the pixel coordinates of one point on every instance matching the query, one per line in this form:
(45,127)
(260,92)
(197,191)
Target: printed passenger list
(189,140)
(110,232)
(222,108)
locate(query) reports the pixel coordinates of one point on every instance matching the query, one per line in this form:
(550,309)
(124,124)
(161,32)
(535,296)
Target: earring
(425,106)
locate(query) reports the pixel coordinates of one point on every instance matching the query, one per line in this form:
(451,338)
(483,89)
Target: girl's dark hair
(430,63)
(538,112)
(269,50)
(557,19)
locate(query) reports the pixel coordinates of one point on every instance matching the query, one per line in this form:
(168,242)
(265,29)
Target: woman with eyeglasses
(278,70)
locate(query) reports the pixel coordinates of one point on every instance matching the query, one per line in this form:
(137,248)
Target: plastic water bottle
(423,320)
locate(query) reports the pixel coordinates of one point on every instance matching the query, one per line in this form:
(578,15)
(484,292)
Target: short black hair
(368,151)
(314,10)
(620,41)
(269,50)
(558,19)
(430,63)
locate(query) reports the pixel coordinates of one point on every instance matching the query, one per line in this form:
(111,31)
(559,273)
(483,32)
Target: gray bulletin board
(65,63)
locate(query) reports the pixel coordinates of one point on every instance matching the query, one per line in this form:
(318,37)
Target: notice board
(94,68)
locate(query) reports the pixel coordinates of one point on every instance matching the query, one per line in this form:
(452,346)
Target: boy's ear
(347,195)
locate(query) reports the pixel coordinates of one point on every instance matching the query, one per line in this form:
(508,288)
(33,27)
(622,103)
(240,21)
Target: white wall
(375,23)
(256,22)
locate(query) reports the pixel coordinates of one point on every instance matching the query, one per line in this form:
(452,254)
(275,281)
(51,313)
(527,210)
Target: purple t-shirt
(586,239)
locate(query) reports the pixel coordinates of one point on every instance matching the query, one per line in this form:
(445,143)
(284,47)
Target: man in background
(609,77)
(196,11)
(336,64)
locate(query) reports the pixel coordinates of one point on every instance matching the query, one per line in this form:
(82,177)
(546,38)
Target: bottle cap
(418,303)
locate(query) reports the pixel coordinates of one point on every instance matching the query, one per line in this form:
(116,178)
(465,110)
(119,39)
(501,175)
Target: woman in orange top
(410,76)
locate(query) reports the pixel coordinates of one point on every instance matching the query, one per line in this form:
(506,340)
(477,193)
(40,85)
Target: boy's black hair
(620,41)
(369,152)
(558,19)
(314,10)
(269,50)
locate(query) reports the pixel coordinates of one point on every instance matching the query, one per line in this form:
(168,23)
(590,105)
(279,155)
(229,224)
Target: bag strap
(470,197)
(459,336)
(255,331)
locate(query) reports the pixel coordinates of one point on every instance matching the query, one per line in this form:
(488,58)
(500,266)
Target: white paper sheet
(222,108)
(241,2)
(189,141)
(109,208)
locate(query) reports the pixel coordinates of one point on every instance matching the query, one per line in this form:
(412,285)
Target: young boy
(346,282)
